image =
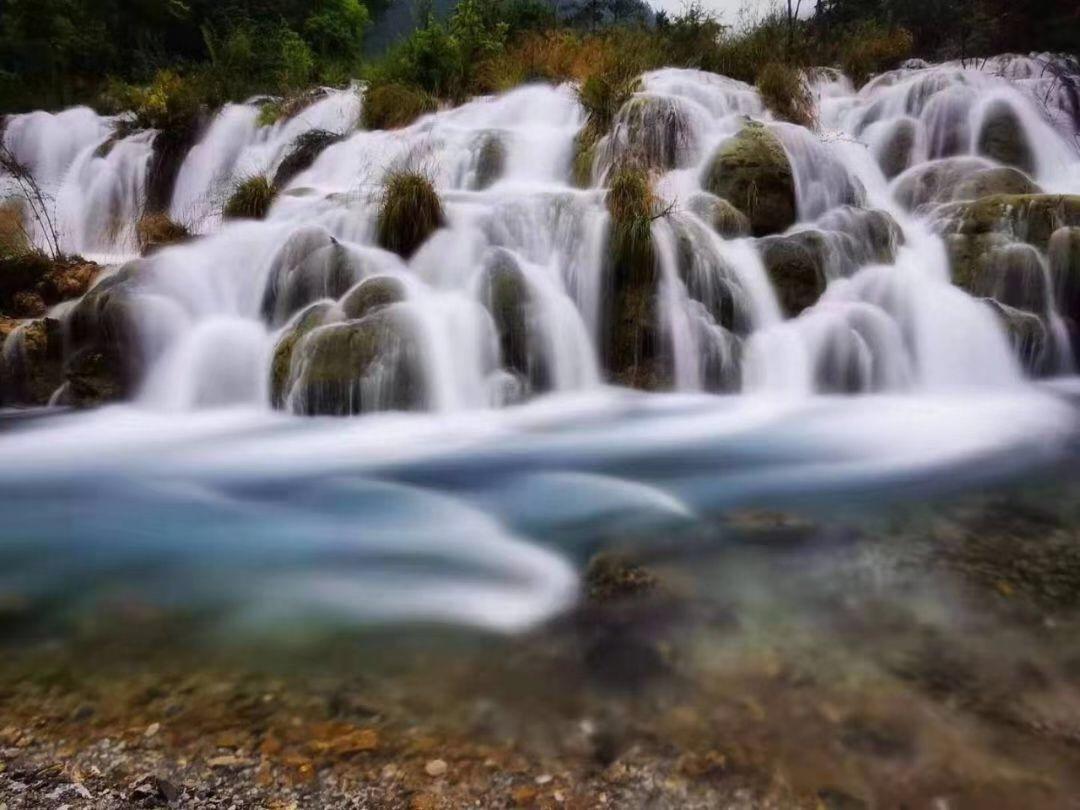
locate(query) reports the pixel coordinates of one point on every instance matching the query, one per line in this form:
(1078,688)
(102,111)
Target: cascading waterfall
(518,236)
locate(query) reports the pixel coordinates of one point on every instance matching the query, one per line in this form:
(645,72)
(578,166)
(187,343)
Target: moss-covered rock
(302,154)
(1064,255)
(1003,139)
(1030,218)
(725,218)
(959,178)
(505,293)
(752,171)
(868,236)
(32,363)
(894,153)
(409,212)
(156,231)
(490,161)
(170,147)
(311,265)
(371,295)
(796,271)
(631,348)
(708,278)
(281,363)
(1015,276)
(360,366)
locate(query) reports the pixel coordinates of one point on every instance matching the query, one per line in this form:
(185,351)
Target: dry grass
(392,106)
(785,92)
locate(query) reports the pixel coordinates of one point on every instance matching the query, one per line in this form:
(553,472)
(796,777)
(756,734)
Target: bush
(169,103)
(409,212)
(251,199)
(871,49)
(785,92)
(392,106)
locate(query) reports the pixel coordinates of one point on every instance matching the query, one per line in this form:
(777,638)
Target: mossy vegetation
(394,105)
(785,92)
(250,199)
(409,212)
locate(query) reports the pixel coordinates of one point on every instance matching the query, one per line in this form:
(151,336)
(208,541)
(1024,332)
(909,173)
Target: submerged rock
(490,161)
(1030,218)
(372,364)
(302,154)
(873,236)
(752,171)
(1064,256)
(895,152)
(310,266)
(1028,335)
(1002,138)
(652,131)
(708,278)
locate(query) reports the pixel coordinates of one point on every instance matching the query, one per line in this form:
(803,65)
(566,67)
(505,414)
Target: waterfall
(506,300)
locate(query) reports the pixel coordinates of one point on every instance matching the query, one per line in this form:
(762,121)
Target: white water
(941,387)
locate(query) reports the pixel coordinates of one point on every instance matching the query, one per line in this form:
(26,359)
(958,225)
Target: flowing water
(476,508)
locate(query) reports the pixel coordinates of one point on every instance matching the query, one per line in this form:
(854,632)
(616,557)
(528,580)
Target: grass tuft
(409,212)
(250,199)
(786,94)
(392,106)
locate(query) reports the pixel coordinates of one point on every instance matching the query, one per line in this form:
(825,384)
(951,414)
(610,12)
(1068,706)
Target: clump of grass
(155,231)
(872,48)
(250,199)
(393,105)
(602,95)
(409,212)
(631,203)
(786,94)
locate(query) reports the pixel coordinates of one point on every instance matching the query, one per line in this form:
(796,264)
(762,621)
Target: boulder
(371,364)
(1064,256)
(725,218)
(311,265)
(894,152)
(873,235)
(708,278)
(1028,335)
(281,365)
(170,147)
(371,295)
(752,172)
(505,292)
(302,154)
(959,178)
(796,270)
(652,131)
(1002,138)
(1015,276)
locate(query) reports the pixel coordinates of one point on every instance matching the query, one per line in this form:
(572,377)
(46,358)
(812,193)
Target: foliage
(391,106)
(786,94)
(170,102)
(409,211)
(250,199)
(872,48)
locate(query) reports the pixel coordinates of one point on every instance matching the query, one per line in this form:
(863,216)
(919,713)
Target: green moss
(785,92)
(251,199)
(281,362)
(371,295)
(409,212)
(392,106)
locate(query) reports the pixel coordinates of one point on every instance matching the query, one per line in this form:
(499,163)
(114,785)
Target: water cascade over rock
(922,237)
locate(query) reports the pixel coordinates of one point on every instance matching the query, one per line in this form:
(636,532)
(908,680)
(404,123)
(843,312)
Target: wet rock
(959,178)
(652,131)
(156,231)
(708,278)
(170,147)
(835,799)
(751,171)
(610,577)
(490,161)
(302,154)
(371,295)
(725,218)
(20,274)
(1016,277)
(796,271)
(31,363)
(872,237)
(1064,258)
(1030,218)
(281,364)
(894,154)
(505,292)
(360,366)
(1028,335)
(312,265)
(1002,138)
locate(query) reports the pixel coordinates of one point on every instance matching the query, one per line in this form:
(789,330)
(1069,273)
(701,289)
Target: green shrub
(169,103)
(785,92)
(251,199)
(409,212)
(297,63)
(392,106)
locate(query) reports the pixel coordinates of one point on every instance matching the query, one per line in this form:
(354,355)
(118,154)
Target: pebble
(435,767)
(544,778)
(152,729)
